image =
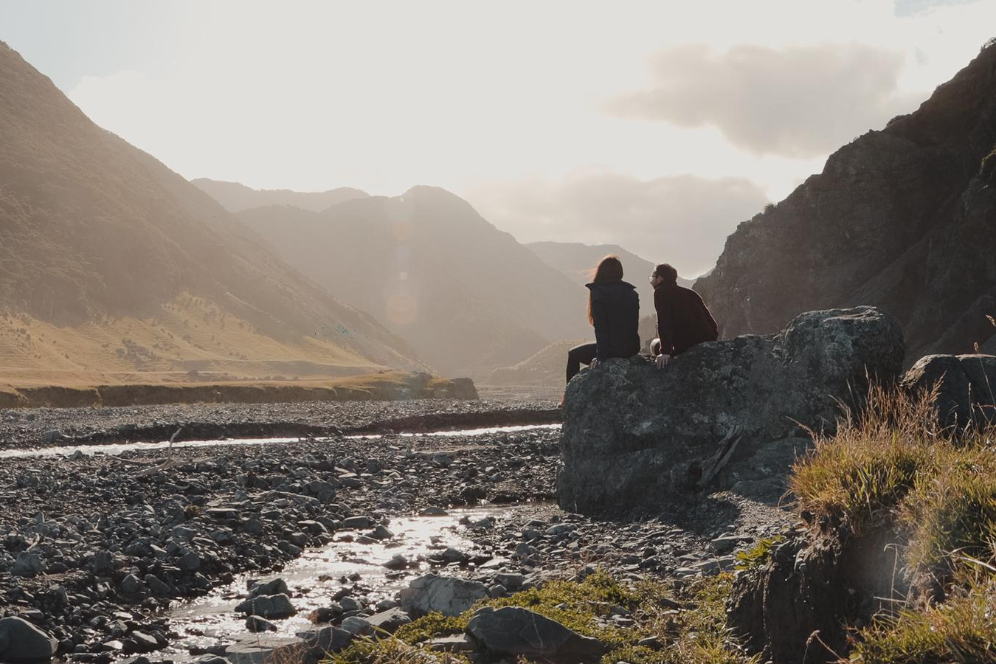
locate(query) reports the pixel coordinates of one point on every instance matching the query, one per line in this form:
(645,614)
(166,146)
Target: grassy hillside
(110,263)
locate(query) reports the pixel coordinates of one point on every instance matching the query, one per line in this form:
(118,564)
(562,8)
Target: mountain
(111,263)
(236,197)
(467,296)
(903,218)
(578,262)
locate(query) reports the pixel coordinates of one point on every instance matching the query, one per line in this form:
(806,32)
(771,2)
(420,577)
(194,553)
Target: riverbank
(98,548)
(383,386)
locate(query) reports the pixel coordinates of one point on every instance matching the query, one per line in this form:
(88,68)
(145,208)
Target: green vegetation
(892,469)
(694,634)
(759,555)
(963,629)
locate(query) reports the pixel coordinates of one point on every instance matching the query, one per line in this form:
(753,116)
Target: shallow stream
(118,448)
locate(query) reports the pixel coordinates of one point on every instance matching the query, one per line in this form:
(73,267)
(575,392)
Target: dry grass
(892,468)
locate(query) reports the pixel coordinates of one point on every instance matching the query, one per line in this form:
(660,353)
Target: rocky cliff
(903,219)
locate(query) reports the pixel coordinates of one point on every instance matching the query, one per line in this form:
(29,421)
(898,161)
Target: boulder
(632,432)
(521,632)
(266,650)
(966,387)
(20,641)
(445,595)
(267,606)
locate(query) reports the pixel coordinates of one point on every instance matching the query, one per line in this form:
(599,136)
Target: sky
(656,125)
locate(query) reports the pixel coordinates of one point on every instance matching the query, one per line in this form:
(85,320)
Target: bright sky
(655,125)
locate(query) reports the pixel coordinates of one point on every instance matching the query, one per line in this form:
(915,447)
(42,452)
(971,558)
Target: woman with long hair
(614,312)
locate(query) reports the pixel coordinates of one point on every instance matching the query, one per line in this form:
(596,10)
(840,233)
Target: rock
(728,543)
(132,585)
(445,595)
(455,643)
(272,587)
(357,626)
(268,606)
(967,384)
(265,650)
(357,523)
(521,632)
(620,447)
(256,624)
(389,620)
(20,641)
(27,565)
(327,639)
(142,642)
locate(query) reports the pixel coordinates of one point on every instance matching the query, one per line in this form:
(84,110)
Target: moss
(759,555)
(432,626)
(392,651)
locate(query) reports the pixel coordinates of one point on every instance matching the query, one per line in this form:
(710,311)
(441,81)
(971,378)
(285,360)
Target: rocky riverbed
(100,551)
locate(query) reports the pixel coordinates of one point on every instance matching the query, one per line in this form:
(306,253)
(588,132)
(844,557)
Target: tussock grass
(963,630)
(891,467)
(858,476)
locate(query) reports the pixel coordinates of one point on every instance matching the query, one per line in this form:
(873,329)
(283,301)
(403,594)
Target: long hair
(608,269)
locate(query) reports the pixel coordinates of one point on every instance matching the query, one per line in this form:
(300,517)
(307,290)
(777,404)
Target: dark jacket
(683,319)
(615,309)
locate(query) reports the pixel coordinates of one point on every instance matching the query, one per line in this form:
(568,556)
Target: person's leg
(579,355)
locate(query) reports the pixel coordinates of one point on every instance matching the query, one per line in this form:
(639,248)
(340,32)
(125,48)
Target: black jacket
(615,308)
(683,319)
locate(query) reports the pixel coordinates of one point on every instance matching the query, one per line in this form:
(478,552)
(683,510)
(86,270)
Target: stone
(445,595)
(20,641)
(357,626)
(268,606)
(265,650)
(357,523)
(389,620)
(256,624)
(132,585)
(966,387)
(621,448)
(271,587)
(28,564)
(454,643)
(521,632)
(327,639)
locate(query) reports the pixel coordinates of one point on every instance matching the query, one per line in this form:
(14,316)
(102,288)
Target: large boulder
(516,631)
(632,432)
(445,595)
(966,387)
(20,641)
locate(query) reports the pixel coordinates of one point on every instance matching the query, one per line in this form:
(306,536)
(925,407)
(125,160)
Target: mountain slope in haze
(578,262)
(236,197)
(111,262)
(467,296)
(903,218)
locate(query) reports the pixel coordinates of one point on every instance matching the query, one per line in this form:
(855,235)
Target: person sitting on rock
(683,319)
(614,312)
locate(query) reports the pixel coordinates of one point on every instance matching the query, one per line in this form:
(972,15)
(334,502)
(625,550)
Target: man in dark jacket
(683,319)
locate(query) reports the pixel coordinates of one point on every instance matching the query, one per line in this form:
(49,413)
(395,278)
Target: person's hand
(594,363)
(662,360)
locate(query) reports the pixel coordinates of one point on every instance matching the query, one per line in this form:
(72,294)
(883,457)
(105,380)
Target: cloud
(799,101)
(905,8)
(683,220)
